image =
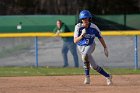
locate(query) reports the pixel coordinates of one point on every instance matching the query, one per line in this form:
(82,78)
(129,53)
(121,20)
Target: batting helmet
(85,14)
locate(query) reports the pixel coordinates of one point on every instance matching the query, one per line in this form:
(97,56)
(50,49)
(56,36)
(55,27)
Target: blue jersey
(91,32)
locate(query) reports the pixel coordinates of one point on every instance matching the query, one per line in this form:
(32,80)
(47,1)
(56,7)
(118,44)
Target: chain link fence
(22,52)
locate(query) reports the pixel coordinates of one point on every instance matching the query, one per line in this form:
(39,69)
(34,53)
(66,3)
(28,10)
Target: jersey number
(87,41)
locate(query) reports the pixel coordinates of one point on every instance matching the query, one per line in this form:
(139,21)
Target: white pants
(87,51)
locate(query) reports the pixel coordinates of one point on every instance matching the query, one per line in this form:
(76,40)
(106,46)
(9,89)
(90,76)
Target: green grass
(45,71)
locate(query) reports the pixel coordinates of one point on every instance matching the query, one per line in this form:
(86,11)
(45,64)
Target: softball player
(84,35)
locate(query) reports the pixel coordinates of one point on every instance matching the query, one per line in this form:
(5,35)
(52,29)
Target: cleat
(109,80)
(87,80)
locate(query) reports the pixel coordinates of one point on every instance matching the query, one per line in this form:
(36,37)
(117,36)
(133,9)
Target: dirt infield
(69,84)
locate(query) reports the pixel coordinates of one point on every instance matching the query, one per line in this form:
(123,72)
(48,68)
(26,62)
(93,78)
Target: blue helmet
(85,14)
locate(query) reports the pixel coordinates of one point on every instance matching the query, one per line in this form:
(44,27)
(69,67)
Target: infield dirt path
(69,84)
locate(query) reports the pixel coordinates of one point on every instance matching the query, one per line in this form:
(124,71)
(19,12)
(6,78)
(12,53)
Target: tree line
(68,7)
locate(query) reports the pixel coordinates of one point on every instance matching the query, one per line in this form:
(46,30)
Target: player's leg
(87,69)
(100,70)
(73,51)
(64,54)
(97,68)
(105,74)
(84,53)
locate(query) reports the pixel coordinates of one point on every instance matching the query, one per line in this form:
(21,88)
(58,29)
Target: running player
(84,35)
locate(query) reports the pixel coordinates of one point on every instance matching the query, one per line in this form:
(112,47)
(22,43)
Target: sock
(87,70)
(102,72)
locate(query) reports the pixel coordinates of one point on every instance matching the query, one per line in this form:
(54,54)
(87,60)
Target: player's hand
(106,52)
(83,31)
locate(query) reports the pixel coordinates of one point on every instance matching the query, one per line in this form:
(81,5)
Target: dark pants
(72,47)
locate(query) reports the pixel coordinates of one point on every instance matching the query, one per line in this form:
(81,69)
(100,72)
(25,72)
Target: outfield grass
(45,71)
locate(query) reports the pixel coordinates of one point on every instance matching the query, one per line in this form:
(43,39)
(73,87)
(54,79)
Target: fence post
(136,51)
(36,51)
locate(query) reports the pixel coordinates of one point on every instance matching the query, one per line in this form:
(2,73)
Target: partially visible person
(84,35)
(68,44)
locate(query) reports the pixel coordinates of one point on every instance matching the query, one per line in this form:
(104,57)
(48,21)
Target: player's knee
(86,62)
(84,58)
(86,65)
(94,66)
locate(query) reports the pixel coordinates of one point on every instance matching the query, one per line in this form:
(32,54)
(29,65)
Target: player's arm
(102,42)
(76,37)
(98,34)
(101,39)
(104,45)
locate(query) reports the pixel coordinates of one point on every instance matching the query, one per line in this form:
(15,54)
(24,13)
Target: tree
(67,7)
(116,6)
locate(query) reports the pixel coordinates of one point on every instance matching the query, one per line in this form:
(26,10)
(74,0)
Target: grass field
(51,71)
